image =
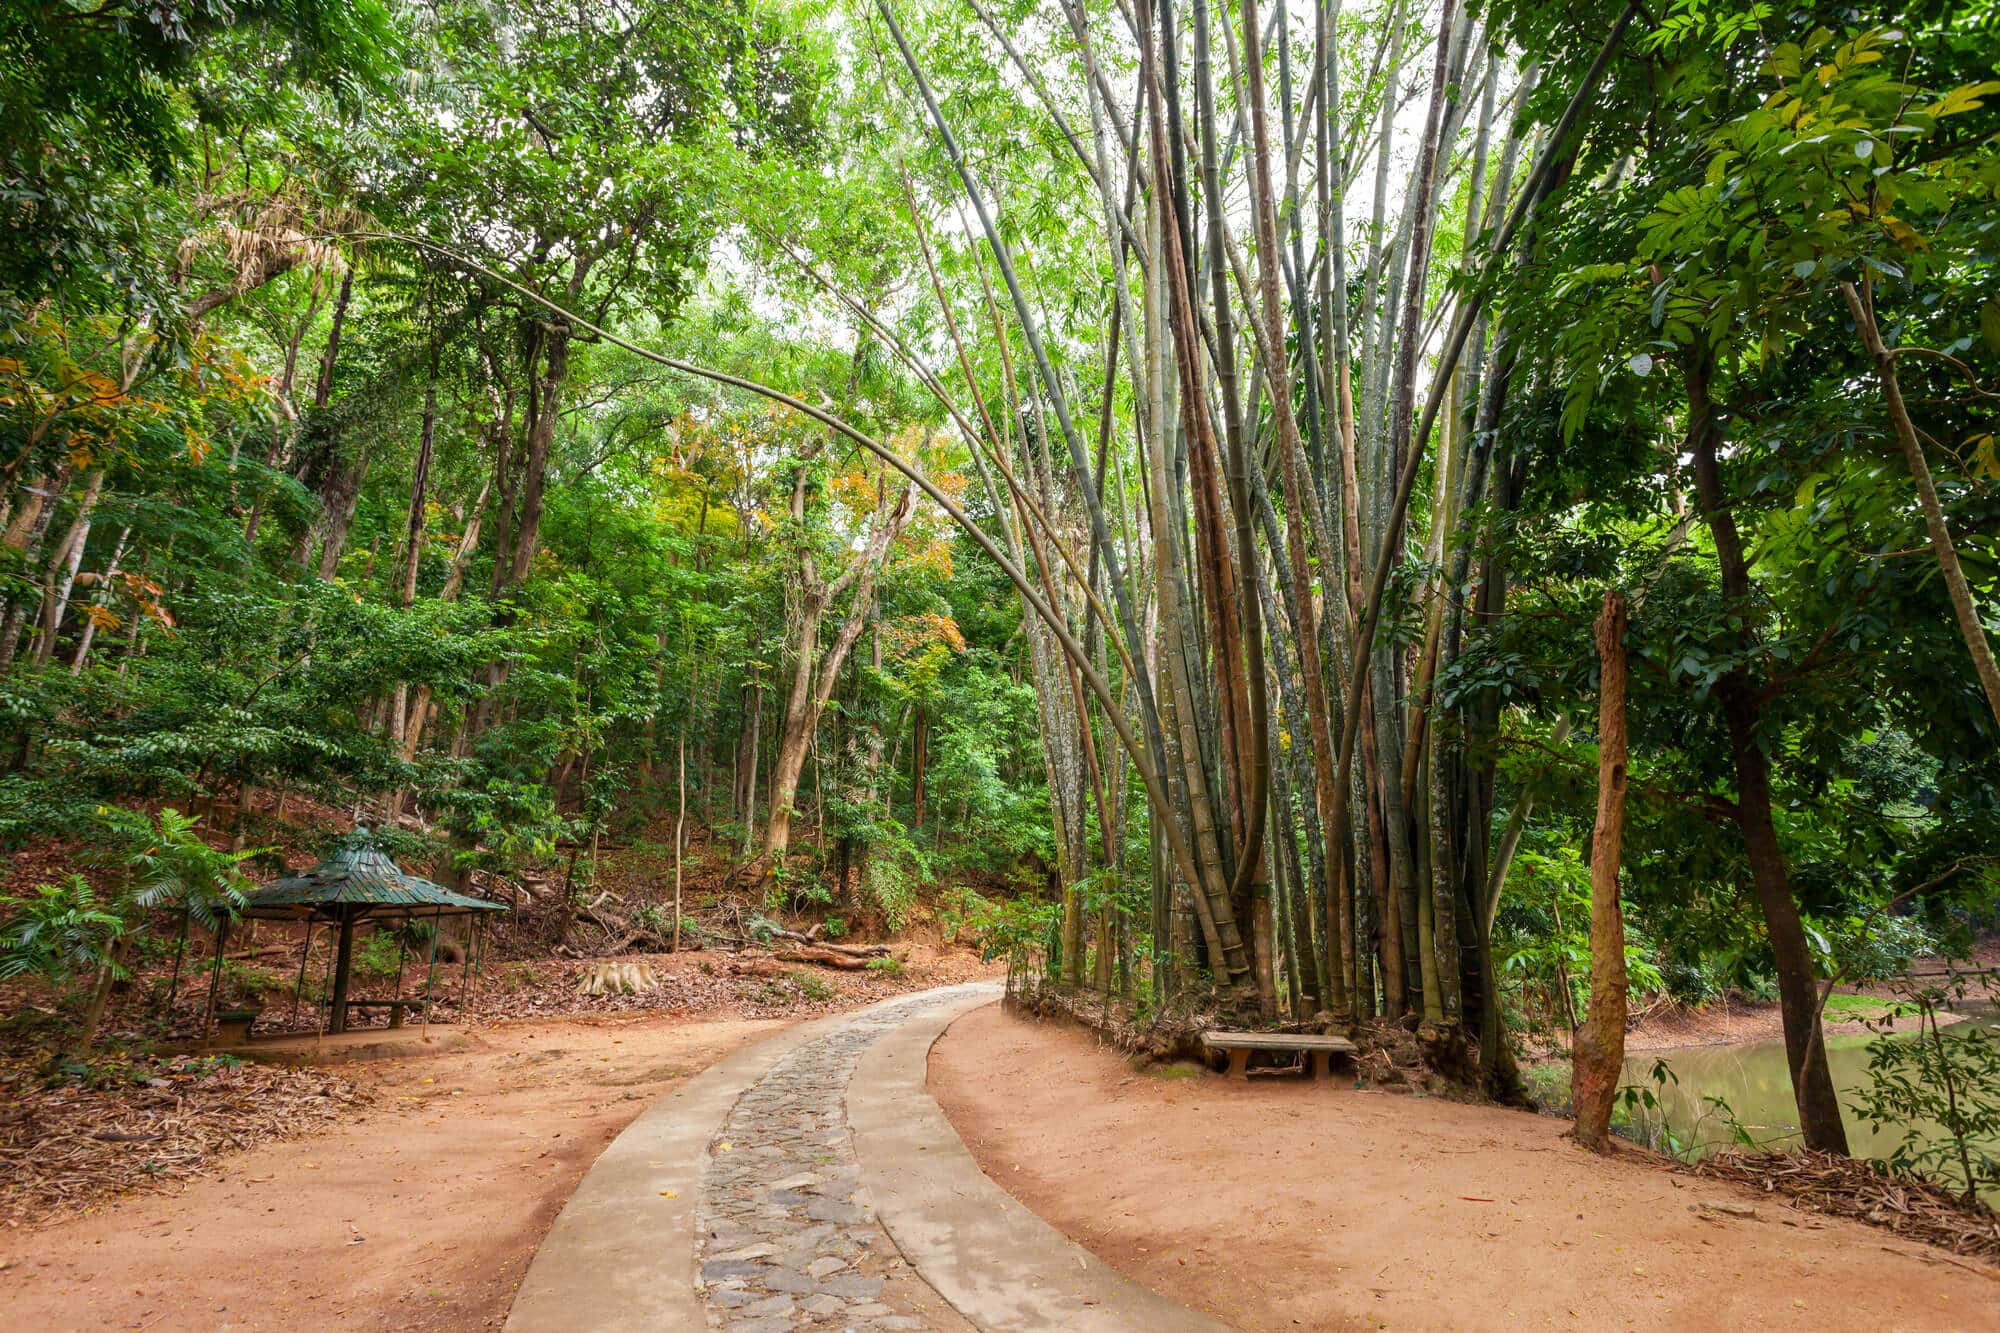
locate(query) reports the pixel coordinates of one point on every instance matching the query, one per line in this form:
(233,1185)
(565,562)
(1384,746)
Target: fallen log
(623,934)
(851,950)
(824,957)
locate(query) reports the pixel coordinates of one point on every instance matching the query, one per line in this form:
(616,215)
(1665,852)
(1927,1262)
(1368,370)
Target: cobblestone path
(785,1236)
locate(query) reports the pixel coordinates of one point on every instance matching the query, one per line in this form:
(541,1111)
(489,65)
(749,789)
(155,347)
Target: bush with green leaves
(1543,940)
(1941,1085)
(659,919)
(256,984)
(381,953)
(1874,947)
(164,864)
(957,906)
(894,869)
(1015,929)
(59,933)
(816,988)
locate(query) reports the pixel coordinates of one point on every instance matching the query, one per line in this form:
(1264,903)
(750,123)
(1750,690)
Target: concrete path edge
(621,1255)
(993,1260)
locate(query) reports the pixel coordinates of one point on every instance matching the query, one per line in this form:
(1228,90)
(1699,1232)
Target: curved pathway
(812,1182)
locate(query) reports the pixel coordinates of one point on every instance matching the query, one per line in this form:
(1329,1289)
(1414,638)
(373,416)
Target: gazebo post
(214,979)
(465,971)
(431,981)
(343,960)
(180,952)
(325,995)
(299,990)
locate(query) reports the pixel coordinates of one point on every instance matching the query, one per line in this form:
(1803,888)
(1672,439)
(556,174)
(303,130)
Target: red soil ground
(420,1215)
(1278,1204)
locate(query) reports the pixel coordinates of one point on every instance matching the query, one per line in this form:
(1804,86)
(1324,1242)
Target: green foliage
(380,954)
(1015,929)
(789,988)
(231,380)
(165,864)
(895,870)
(1544,940)
(255,984)
(1879,948)
(1942,1086)
(660,920)
(957,907)
(98,105)
(59,934)
(814,987)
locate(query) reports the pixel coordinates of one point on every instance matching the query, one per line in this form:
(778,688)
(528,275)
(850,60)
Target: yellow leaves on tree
(96,391)
(907,635)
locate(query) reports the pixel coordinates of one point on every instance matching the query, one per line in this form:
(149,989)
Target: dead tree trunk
(1598,1051)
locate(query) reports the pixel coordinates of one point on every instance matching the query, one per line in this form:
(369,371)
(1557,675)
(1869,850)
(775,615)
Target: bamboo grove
(1302,374)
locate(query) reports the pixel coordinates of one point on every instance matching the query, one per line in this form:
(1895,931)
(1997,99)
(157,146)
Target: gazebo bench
(1239,1045)
(395,1008)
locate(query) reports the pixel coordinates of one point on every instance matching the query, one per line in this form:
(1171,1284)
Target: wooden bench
(1239,1045)
(395,1008)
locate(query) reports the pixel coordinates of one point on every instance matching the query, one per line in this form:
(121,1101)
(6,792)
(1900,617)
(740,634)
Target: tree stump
(617,979)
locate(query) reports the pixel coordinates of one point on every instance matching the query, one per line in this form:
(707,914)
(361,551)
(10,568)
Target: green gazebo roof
(358,879)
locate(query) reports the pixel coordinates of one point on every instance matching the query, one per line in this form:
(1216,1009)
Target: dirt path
(422,1215)
(1280,1205)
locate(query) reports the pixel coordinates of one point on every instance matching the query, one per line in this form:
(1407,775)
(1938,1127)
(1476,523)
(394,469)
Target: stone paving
(785,1235)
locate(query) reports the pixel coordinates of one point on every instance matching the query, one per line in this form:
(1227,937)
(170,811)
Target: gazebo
(357,882)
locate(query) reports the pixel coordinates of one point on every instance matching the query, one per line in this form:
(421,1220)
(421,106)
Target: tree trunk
(100,997)
(680,836)
(1862,305)
(809,695)
(1805,1052)
(919,751)
(62,570)
(754,750)
(24,534)
(402,722)
(544,396)
(102,598)
(338,497)
(1598,1050)
(793,736)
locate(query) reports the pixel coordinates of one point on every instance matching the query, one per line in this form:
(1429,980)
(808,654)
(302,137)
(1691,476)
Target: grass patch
(1180,1069)
(1865,1008)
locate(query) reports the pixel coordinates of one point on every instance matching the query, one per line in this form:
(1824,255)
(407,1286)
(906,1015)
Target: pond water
(1753,1078)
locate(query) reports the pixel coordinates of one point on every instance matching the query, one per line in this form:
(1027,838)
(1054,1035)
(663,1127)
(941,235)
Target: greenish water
(1755,1081)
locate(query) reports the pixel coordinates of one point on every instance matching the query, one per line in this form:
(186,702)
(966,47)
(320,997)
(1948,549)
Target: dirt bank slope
(1280,1205)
